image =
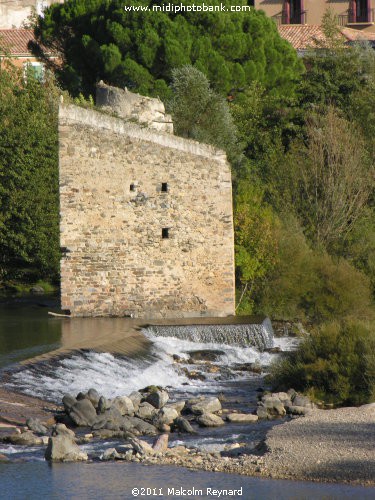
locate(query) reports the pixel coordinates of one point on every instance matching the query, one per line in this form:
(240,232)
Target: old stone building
(146,217)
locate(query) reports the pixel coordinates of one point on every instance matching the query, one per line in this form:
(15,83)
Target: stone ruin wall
(115,261)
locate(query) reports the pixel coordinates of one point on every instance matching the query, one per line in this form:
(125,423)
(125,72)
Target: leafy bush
(336,364)
(311,285)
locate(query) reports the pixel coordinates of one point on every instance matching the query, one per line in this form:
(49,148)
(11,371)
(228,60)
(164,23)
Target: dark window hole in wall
(165,233)
(164,187)
(132,187)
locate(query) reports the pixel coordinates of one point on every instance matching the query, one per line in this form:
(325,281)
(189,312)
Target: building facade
(146,220)
(14,13)
(356,14)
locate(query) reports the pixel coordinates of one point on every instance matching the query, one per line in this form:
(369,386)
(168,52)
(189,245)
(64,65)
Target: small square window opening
(132,187)
(165,233)
(164,187)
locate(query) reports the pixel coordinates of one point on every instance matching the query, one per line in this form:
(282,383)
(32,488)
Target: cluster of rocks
(147,412)
(280,404)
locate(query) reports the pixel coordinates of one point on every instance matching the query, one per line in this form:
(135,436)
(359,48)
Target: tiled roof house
(299,21)
(15,46)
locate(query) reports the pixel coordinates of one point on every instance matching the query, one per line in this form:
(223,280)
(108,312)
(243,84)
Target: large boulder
(83,413)
(124,405)
(158,398)
(242,418)
(94,397)
(274,406)
(64,449)
(209,420)
(68,401)
(102,405)
(146,410)
(136,398)
(166,415)
(62,430)
(207,405)
(143,427)
(35,425)
(178,406)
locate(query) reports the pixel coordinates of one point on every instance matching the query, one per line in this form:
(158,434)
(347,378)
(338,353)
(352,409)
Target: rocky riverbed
(319,445)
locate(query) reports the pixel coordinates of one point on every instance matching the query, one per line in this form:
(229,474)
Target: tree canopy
(101,39)
(29,213)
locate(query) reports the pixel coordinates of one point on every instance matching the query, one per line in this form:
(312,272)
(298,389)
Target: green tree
(29,243)
(256,242)
(209,120)
(327,179)
(98,39)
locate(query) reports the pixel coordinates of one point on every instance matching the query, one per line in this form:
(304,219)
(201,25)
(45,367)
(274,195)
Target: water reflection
(117,481)
(26,330)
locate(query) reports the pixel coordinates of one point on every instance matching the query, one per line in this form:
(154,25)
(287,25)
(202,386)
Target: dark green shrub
(336,363)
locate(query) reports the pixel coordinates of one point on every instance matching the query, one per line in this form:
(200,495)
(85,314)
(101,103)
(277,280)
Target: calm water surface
(117,480)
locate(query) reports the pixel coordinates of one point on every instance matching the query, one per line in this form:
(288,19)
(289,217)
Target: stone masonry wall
(113,212)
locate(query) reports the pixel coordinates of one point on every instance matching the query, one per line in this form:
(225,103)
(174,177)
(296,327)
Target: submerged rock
(205,355)
(111,454)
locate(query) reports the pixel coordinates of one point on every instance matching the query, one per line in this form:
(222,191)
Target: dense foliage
(29,247)
(100,39)
(335,363)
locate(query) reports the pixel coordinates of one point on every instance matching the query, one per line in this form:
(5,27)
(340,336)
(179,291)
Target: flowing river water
(157,355)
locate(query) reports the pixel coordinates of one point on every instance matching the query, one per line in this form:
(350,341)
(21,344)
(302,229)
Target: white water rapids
(112,375)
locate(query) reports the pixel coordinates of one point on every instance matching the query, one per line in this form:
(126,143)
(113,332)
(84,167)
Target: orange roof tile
(301,36)
(353,35)
(15,41)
